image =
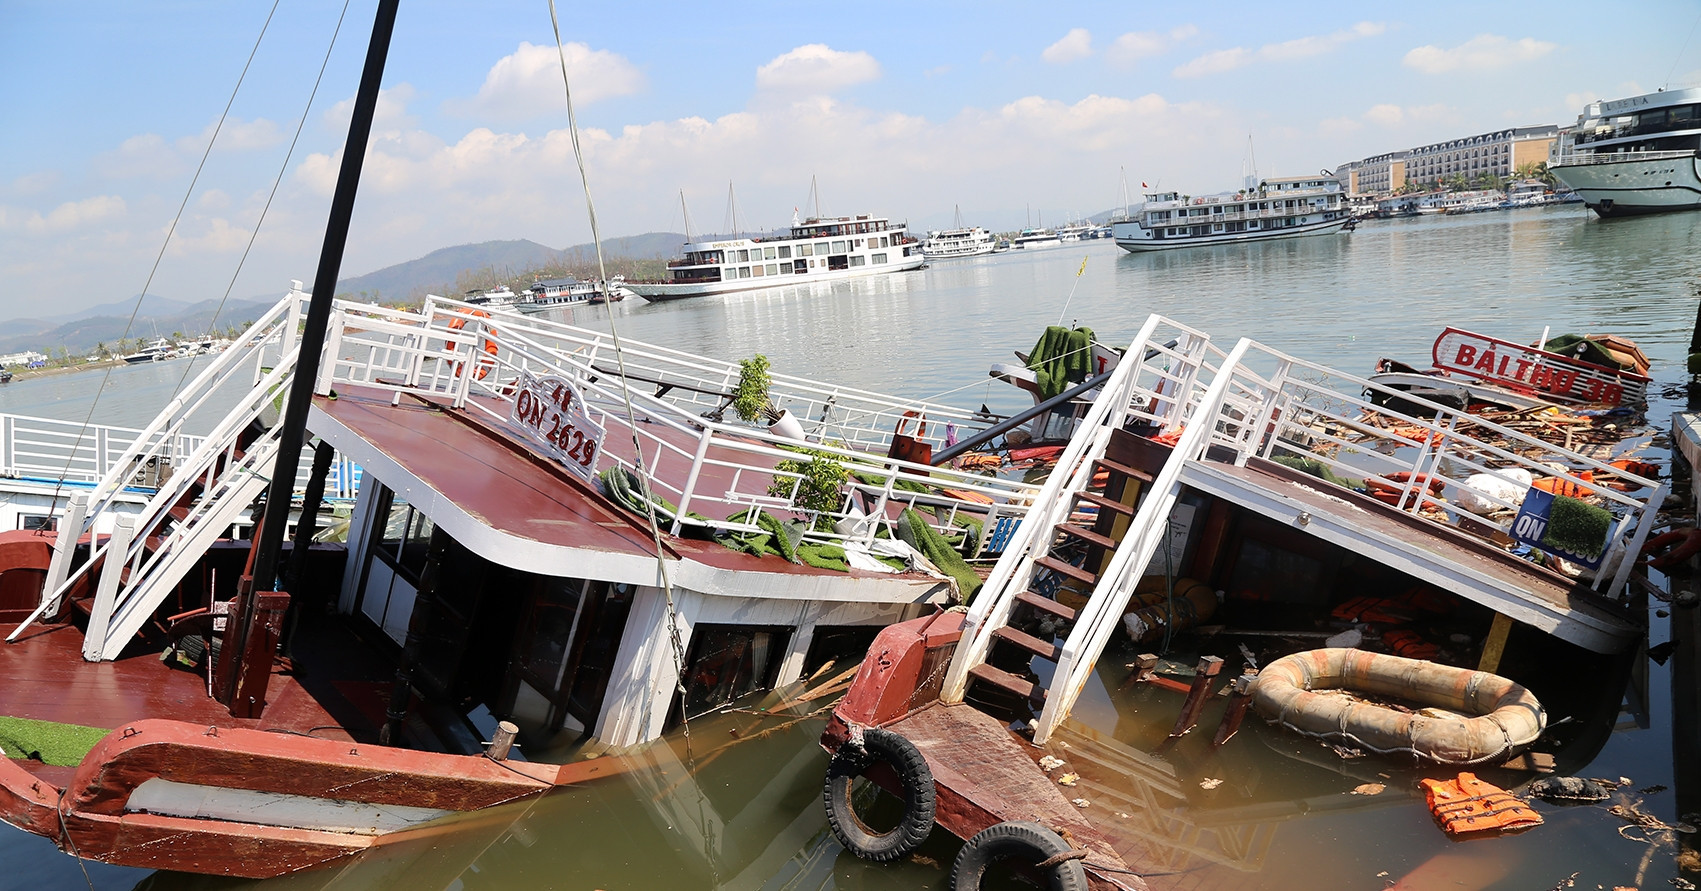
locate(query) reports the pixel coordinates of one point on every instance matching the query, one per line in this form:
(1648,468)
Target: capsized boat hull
(164,794)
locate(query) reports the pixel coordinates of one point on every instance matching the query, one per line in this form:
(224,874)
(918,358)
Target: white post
(8,444)
(70,529)
(691,479)
(106,593)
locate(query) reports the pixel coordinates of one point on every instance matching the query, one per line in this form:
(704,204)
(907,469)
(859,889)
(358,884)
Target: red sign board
(552,411)
(1530,370)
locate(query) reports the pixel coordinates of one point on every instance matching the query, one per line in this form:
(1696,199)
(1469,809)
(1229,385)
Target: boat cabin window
(405,537)
(785,252)
(768,253)
(836,648)
(858,260)
(41,522)
(727,662)
(838,247)
(805,250)
(877,259)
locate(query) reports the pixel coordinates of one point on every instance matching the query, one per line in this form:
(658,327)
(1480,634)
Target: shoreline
(23,374)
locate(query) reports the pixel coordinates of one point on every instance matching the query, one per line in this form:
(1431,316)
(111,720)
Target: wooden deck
(1432,552)
(987,775)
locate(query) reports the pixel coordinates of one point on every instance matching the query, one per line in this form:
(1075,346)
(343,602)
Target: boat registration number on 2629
(552,411)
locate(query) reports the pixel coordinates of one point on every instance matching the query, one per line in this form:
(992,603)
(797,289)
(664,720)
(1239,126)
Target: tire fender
(1023,842)
(851,761)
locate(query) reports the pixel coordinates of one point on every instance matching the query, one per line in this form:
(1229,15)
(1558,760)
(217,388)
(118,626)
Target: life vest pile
(1467,807)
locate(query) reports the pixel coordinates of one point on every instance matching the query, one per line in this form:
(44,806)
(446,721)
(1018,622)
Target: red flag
(1144,186)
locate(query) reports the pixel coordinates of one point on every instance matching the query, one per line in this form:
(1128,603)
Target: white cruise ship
(1283,207)
(1634,156)
(815,250)
(945,244)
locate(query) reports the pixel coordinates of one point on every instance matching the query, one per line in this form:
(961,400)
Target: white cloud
(1220,61)
(816,69)
(236,134)
(64,218)
(390,115)
(1130,48)
(1391,116)
(1484,52)
(35,183)
(527,82)
(1386,115)
(215,236)
(1077,44)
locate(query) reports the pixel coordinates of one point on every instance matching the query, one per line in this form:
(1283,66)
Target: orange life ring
(490,346)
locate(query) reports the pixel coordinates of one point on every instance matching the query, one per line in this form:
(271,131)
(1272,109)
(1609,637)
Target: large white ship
(812,251)
(945,244)
(1634,156)
(1285,207)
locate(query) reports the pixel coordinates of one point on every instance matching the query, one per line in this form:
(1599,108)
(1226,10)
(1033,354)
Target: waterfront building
(1500,152)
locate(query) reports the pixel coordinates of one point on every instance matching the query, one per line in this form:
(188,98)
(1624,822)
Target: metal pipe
(270,540)
(1017,420)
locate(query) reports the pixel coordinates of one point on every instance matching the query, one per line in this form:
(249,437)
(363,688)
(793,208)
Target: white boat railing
(1435,464)
(1584,158)
(708,467)
(51,451)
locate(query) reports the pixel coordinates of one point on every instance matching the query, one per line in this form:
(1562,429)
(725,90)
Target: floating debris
(1048,763)
(1068,779)
(1650,790)
(1210,783)
(1368,789)
(1569,789)
(1079,802)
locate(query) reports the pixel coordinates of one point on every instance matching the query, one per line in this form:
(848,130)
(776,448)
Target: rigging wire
(1679,60)
(643,474)
(130,324)
(625,392)
(276,182)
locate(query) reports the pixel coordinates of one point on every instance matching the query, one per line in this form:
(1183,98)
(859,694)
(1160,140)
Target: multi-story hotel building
(1500,153)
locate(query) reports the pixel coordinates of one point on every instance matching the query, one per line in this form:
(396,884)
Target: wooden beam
(1495,646)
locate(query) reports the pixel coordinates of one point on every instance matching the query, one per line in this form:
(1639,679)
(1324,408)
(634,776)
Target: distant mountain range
(437,271)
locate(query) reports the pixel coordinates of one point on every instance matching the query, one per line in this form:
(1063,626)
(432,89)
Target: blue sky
(906,110)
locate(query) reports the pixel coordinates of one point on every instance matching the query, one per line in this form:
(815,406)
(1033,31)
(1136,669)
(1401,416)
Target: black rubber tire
(1024,842)
(913,774)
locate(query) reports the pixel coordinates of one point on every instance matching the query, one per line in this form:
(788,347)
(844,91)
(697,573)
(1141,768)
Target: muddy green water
(739,807)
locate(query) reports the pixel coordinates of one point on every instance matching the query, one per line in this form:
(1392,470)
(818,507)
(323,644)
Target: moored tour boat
(1286,207)
(948,244)
(1635,155)
(814,250)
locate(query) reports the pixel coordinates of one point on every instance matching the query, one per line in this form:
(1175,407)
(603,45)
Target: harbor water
(737,803)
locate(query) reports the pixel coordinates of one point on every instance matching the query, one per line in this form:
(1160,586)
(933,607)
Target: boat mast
(686,213)
(269,542)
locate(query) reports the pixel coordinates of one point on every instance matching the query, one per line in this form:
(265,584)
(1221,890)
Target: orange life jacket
(1469,807)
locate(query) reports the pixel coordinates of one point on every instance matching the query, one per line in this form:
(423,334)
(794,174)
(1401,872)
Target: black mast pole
(269,542)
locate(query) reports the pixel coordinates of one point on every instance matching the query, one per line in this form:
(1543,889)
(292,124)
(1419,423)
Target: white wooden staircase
(130,572)
(1016,617)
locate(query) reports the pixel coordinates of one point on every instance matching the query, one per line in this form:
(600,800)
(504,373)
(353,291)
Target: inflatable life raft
(1482,717)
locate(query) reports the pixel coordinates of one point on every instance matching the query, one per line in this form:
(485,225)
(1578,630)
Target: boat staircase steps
(136,560)
(1062,583)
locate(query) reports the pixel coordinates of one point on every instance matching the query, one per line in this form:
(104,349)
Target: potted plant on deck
(750,399)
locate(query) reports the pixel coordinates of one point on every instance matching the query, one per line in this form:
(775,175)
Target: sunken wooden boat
(1265,478)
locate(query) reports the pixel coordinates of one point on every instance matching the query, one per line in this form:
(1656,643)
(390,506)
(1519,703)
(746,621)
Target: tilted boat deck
(1431,552)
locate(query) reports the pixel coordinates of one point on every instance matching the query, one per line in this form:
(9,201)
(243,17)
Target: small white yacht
(1284,207)
(1036,238)
(958,241)
(1634,156)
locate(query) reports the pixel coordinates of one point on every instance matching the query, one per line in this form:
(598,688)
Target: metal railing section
(680,401)
(1581,158)
(1304,410)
